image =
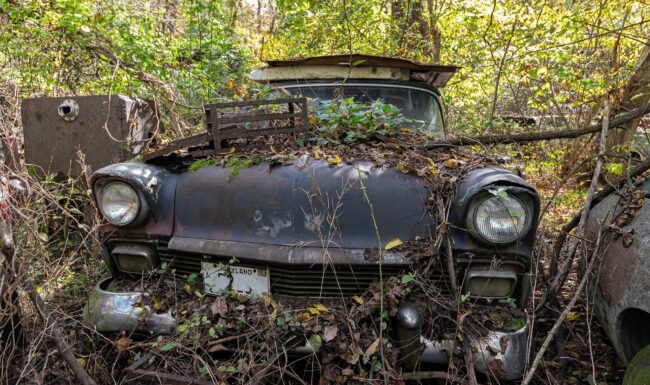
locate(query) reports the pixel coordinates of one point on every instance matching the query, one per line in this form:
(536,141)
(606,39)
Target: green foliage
(238,163)
(93,47)
(201,163)
(516,57)
(346,121)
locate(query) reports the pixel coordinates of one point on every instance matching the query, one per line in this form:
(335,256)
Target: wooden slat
(248,117)
(257,103)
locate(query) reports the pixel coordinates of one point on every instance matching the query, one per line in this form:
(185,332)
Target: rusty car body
(621,289)
(272,220)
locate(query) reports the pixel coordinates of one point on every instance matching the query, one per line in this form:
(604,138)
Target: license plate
(219,278)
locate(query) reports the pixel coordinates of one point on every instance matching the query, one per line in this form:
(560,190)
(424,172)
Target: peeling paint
(273,225)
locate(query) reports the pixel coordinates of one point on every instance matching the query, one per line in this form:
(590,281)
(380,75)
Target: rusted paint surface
(495,368)
(308,204)
(622,280)
(100,131)
(291,254)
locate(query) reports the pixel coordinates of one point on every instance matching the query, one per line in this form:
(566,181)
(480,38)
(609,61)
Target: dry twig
(558,280)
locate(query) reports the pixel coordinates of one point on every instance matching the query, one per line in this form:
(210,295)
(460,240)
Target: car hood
(307,205)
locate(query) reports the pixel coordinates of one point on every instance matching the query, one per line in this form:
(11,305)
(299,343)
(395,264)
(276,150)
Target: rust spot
(495,368)
(503,342)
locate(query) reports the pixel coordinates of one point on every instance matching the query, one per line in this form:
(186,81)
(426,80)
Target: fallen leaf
(217,348)
(321,308)
(155,304)
(407,278)
(82,362)
(219,307)
(358,299)
(336,160)
(314,311)
(452,164)
(330,332)
(572,316)
(268,300)
(123,343)
(230,151)
(372,349)
(393,244)
(167,346)
(315,342)
(230,84)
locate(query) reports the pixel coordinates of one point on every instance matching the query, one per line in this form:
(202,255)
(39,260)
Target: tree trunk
(636,93)
(409,19)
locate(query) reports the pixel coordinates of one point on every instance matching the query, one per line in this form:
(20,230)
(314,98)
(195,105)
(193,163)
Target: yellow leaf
(268,300)
(321,308)
(452,163)
(358,299)
(431,162)
(155,304)
(312,120)
(230,151)
(572,316)
(335,160)
(82,362)
(123,343)
(230,84)
(401,166)
(393,244)
(433,171)
(313,311)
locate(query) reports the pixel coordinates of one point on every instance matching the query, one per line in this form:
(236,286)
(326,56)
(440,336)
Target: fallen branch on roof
(537,136)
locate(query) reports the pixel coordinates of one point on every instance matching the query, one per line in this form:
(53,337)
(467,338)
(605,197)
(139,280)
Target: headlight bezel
(143,207)
(520,195)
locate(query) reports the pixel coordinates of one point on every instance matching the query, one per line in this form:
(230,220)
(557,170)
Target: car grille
(298,280)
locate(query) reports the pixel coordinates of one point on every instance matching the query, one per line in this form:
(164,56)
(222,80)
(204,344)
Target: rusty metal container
(105,129)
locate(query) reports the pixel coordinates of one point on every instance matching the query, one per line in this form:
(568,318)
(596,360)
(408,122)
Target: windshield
(419,108)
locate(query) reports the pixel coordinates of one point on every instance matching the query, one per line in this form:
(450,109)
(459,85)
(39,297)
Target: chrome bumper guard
(109,311)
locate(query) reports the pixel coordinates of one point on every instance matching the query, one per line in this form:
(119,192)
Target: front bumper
(501,355)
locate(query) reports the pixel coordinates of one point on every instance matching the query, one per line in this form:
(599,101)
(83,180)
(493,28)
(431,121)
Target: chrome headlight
(119,203)
(499,217)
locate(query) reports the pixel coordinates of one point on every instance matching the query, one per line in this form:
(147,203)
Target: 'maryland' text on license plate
(249,281)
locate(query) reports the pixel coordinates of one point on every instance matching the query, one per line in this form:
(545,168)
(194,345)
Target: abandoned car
(313,228)
(621,290)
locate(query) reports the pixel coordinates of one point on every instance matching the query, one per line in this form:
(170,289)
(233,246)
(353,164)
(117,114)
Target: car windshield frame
(440,133)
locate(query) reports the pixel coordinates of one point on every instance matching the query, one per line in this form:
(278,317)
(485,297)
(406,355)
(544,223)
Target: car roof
(354,66)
